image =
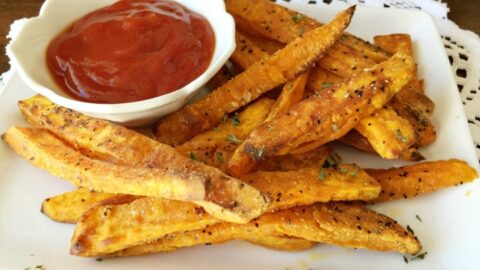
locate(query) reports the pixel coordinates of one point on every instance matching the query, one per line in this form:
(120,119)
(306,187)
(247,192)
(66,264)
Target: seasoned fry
(110,228)
(259,78)
(325,117)
(412,180)
(178,178)
(389,134)
(70,206)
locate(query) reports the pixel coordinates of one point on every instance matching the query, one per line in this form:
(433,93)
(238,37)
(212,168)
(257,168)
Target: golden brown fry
(314,184)
(70,206)
(109,228)
(389,134)
(178,178)
(246,53)
(291,94)
(412,180)
(325,117)
(259,78)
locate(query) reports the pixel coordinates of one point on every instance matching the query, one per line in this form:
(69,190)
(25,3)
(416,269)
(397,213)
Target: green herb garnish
(99,259)
(342,169)
(419,256)
(355,171)
(301,31)
(219,156)
(418,217)
(410,229)
(192,156)
(334,127)
(225,117)
(405,259)
(235,120)
(298,18)
(400,136)
(233,139)
(326,85)
(322,174)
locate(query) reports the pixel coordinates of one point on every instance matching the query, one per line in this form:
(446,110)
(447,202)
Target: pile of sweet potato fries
(252,160)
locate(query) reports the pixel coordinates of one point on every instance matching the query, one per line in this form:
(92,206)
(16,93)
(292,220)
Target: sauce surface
(130,51)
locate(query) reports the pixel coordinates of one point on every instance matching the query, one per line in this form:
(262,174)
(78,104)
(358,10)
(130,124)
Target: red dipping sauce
(131,51)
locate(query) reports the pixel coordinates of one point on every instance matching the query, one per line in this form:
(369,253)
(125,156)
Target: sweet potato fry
(259,78)
(109,228)
(412,180)
(325,117)
(178,178)
(389,134)
(70,206)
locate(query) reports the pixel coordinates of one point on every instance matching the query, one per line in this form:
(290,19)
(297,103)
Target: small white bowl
(27,52)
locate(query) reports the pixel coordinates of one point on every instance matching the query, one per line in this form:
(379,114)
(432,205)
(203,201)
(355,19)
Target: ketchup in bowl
(130,51)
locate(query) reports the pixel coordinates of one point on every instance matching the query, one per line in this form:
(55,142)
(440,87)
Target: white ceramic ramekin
(28,48)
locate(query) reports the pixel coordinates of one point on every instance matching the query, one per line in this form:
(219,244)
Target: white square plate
(450,230)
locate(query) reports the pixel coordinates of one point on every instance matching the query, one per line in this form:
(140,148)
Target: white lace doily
(463,49)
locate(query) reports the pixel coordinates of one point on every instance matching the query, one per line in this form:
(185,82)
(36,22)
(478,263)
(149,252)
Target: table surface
(464,13)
